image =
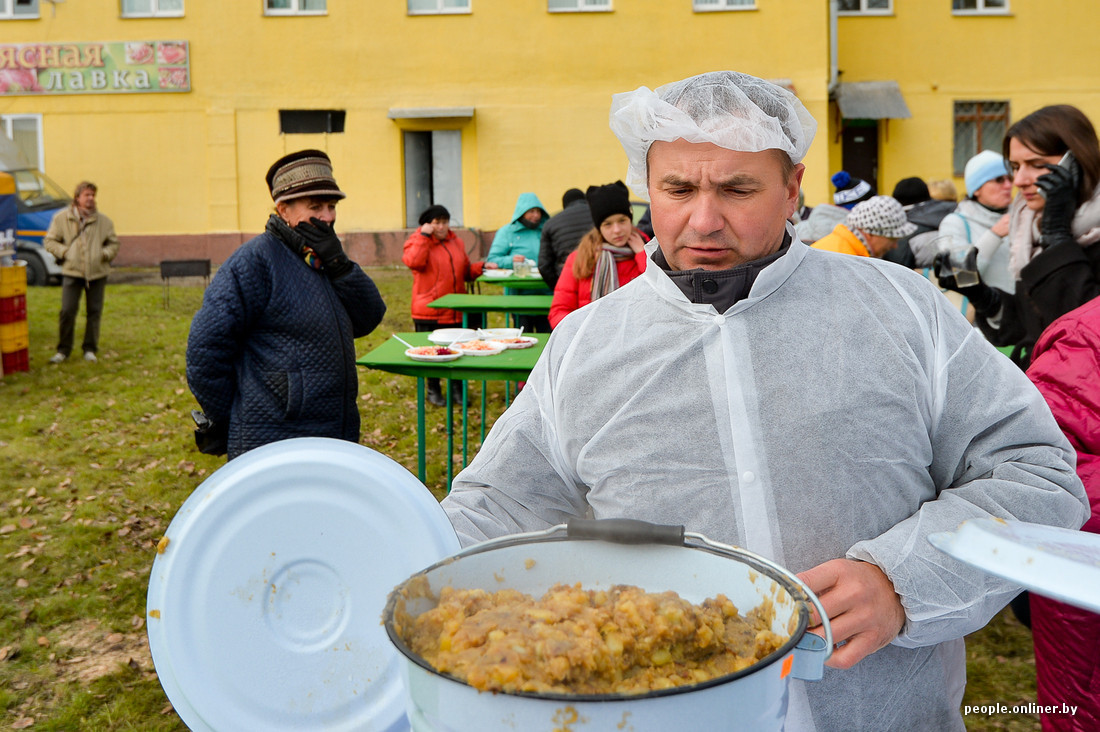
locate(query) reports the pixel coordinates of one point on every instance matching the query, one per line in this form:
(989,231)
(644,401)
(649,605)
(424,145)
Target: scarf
(605,279)
(1023,230)
(282,231)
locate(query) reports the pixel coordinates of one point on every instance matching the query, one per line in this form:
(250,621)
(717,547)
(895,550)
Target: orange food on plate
(479,346)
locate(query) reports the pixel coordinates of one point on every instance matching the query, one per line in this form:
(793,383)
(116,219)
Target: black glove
(983,297)
(1059,187)
(321,238)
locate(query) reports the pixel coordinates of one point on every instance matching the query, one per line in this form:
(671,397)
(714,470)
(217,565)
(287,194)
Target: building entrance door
(859,151)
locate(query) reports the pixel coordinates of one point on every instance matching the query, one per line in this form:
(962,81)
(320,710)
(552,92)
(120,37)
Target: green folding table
(530,282)
(514,364)
(509,304)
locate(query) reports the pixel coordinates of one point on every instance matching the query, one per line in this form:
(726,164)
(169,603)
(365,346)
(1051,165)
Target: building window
(25,130)
(704,5)
(978,126)
(998,7)
(867,7)
(311,121)
(433,173)
(294,7)
(573,6)
(152,8)
(18,9)
(438,7)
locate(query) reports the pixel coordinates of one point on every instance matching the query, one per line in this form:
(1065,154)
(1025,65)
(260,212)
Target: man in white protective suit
(826,411)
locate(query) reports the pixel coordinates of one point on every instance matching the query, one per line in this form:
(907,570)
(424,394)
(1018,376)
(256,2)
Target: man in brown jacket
(84,242)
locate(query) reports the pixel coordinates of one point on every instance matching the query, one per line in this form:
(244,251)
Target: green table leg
(450,435)
(465,427)
(421,438)
(484,398)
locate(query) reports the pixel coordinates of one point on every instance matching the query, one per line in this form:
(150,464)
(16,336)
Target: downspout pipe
(834,73)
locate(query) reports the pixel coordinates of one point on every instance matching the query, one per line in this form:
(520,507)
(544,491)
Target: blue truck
(37,199)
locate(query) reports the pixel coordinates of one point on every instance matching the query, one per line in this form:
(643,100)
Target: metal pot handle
(625,531)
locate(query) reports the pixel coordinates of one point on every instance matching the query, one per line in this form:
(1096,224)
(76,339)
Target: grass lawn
(96,458)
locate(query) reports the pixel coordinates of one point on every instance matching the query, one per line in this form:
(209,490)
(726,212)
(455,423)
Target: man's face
(86,200)
(297,210)
(714,208)
(532,215)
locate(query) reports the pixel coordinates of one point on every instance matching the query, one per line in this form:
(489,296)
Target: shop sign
(124,67)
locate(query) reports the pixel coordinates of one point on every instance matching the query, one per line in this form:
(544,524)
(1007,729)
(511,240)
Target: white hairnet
(727,108)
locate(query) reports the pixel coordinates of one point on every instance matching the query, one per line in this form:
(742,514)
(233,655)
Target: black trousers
(94,292)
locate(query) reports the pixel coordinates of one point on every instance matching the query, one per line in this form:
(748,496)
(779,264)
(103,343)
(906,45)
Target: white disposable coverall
(843,409)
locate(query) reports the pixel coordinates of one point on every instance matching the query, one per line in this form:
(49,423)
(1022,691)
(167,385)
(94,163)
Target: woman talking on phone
(1054,227)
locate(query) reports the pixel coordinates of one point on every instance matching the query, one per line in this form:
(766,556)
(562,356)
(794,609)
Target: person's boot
(435,394)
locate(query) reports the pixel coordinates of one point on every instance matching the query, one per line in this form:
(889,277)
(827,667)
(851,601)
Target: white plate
(525,342)
(263,609)
(447,336)
(1058,563)
(425,357)
(497,274)
(495,351)
(490,333)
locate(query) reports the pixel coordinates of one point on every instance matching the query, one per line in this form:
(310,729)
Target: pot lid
(1059,563)
(264,607)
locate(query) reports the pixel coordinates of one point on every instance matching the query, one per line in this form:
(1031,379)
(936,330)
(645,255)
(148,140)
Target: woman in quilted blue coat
(271,353)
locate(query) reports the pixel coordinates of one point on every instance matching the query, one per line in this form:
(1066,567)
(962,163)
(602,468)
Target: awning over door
(871,100)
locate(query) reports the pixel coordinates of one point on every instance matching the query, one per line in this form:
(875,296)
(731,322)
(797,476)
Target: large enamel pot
(599,554)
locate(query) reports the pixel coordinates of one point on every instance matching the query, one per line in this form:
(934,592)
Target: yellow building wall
(939,58)
(540,84)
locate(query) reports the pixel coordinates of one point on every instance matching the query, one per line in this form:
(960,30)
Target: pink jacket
(1065,366)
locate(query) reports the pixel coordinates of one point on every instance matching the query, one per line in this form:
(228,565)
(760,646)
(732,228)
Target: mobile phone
(1069,162)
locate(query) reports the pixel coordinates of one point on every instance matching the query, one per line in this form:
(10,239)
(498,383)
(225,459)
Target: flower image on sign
(125,67)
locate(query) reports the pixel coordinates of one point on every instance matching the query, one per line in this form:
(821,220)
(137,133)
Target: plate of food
(497,274)
(432,353)
(494,333)
(479,348)
(517,342)
(447,336)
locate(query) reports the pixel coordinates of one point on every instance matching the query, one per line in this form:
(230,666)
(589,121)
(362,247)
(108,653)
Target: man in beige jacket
(84,242)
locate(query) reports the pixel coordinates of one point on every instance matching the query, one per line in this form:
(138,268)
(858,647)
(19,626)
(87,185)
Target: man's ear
(794,185)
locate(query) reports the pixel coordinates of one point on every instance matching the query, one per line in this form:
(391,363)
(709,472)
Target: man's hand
(865,612)
(427,229)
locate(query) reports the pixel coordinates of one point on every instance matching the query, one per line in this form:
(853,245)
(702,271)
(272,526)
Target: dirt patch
(88,652)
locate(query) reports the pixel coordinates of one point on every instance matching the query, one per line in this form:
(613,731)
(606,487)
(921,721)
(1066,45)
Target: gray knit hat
(301,174)
(882,216)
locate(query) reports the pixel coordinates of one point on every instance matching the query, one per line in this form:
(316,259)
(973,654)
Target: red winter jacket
(439,268)
(1065,365)
(571,294)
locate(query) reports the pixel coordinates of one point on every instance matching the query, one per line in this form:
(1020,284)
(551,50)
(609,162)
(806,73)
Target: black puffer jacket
(272,348)
(560,236)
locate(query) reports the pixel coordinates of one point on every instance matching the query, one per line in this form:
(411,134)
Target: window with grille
(978,126)
(152,8)
(437,7)
(18,9)
(703,5)
(295,7)
(311,121)
(869,7)
(998,7)
(566,6)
